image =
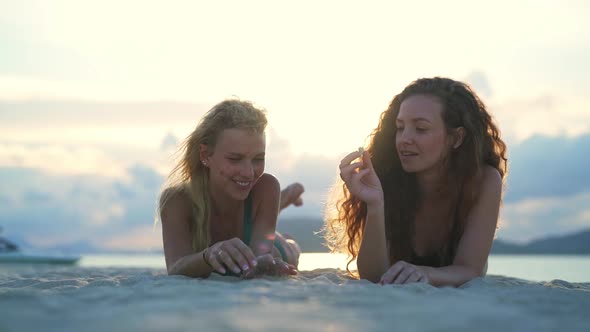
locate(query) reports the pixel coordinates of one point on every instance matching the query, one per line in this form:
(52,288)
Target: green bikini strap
(248,220)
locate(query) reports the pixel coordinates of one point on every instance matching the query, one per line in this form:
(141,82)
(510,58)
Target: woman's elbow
(366,273)
(469,273)
(370,277)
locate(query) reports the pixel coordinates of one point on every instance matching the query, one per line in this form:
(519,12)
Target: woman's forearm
(452,275)
(192,265)
(373,259)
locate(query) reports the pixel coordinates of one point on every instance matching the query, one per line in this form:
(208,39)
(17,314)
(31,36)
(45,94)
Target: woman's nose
(247,170)
(406,137)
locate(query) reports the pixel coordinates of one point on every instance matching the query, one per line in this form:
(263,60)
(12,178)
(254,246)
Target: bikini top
(433,260)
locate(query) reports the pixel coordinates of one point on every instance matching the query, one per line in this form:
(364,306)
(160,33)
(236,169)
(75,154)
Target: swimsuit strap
(248,220)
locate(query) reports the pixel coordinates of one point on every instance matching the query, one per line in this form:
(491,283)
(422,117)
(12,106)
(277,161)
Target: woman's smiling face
(237,162)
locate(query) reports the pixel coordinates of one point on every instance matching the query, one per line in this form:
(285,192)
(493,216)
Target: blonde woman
(220,210)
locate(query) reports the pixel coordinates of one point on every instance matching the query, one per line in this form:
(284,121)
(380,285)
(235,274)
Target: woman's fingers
(213,259)
(404,274)
(414,277)
(248,256)
(232,254)
(348,170)
(283,268)
(290,249)
(296,251)
(265,260)
(238,258)
(349,158)
(268,265)
(291,195)
(357,179)
(228,261)
(289,269)
(392,273)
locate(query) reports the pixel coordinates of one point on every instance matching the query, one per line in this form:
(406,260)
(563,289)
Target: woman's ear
(204,154)
(458,137)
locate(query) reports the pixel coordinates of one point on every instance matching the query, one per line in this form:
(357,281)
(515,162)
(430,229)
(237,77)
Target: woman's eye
(420,129)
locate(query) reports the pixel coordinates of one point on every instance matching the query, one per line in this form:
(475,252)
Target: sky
(94,97)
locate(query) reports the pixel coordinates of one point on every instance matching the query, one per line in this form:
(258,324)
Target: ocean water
(572,268)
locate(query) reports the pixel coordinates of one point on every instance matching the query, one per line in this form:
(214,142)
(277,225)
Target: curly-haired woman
(422,203)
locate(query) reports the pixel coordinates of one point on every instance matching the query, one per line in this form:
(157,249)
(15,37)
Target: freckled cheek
(228,171)
(258,171)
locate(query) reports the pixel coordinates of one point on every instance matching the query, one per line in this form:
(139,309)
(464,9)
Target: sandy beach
(136,299)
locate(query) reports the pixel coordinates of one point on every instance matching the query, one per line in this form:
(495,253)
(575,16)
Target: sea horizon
(545,267)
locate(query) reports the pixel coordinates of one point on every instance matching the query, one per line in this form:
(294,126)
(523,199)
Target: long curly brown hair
(481,146)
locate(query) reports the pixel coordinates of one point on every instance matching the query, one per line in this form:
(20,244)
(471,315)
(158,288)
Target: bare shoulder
(492,180)
(176,200)
(490,185)
(267,184)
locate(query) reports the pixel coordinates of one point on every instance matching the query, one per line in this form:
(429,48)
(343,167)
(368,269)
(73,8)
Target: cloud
(317,174)
(533,218)
(60,159)
(543,166)
(546,115)
(145,237)
(48,209)
(70,112)
(169,142)
(479,82)
(547,191)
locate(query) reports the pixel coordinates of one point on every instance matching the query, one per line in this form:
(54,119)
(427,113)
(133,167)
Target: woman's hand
(232,254)
(291,195)
(404,273)
(291,249)
(271,266)
(360,177)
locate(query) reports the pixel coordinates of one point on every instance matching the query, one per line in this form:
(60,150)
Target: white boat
(18,257)
(11,254)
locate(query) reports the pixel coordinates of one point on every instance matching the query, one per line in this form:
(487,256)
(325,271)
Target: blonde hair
(189,176)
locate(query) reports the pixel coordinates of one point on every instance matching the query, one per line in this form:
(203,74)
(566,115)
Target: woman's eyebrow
(413,120)
(237,154)
(421,119)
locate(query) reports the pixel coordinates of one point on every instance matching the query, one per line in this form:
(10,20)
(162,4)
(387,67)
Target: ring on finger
(219,252)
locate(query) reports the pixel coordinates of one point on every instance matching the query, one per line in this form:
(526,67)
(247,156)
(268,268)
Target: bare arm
(362,182)
(266,195)
(177,238)
(266,210)
(373,259)
(476,242)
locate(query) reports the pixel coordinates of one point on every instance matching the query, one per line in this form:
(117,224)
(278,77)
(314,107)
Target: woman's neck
(429,183)
(222,204)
